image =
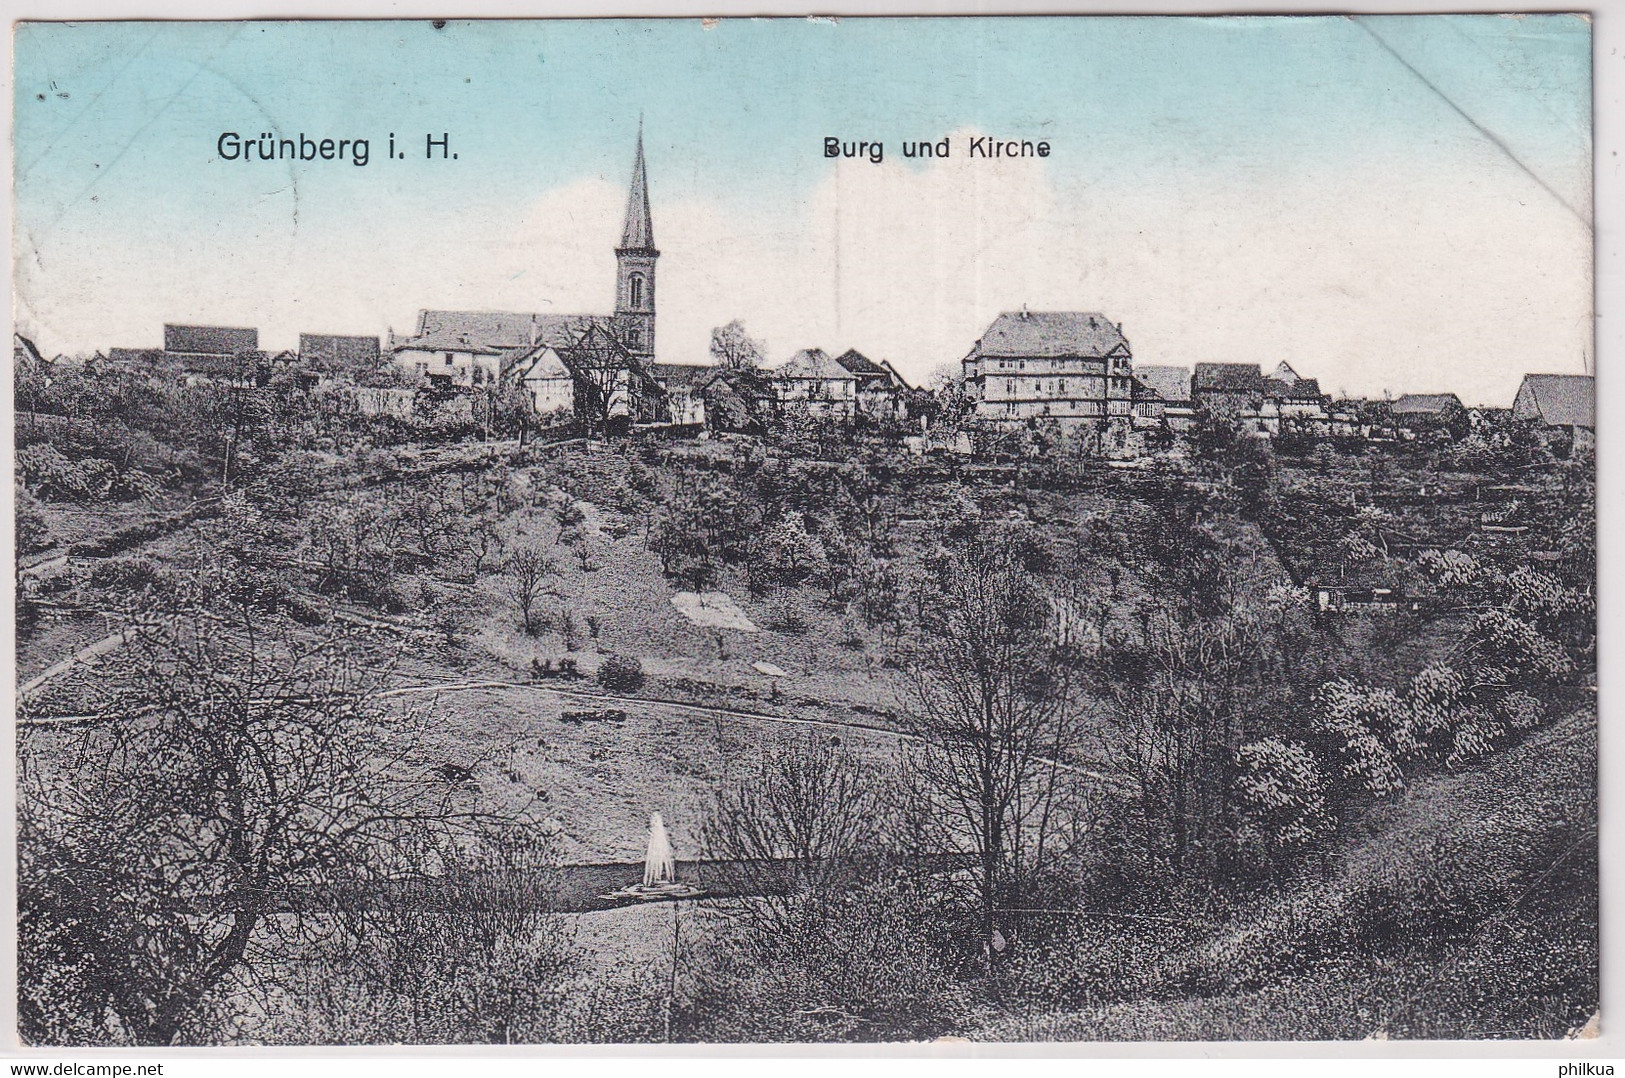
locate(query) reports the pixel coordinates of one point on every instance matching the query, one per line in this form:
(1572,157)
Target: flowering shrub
(1281,795)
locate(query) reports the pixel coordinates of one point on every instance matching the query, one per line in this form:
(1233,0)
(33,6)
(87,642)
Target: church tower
(635,266)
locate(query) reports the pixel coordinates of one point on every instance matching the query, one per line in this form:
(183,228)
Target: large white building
(1072,366)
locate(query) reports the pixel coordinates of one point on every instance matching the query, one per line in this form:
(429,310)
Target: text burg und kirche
(976,147)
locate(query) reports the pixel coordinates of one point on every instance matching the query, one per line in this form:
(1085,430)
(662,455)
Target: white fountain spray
(659,866)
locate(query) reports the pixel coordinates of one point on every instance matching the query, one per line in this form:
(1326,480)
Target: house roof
(1052,333)
(210,340)
(860,364)
(504,329)
(1283,372)
(536,362)
(1425,403)
(1172,383)
(1303,389)
(447,340)
(683,375)
(1558,400)
(331,349)
(1142,392)
(812,363)
(1227,378)
(23,349)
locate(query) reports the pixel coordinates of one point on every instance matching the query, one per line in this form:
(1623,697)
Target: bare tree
(528,569)
(987,704)
(804,819)
(241,784)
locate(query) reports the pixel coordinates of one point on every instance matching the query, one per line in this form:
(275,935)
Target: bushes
(33,532)
(1282,806)
(848,966)
(621,673)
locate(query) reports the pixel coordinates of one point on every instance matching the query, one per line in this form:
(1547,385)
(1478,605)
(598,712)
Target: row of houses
(194,353)
(579,366)
(1075,368)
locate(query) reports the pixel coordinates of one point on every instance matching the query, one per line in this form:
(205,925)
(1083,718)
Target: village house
(1436,413)
(811,378)
(1296,397)
(1228,390)
(684,385)
(1561,402)
(1071,366)
(882,393)
(541,373)
(1173,388)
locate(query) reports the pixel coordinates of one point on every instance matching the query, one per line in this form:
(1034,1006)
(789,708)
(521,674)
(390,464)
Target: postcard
(997,529)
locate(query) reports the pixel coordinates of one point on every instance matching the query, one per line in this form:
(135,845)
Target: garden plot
(712,610)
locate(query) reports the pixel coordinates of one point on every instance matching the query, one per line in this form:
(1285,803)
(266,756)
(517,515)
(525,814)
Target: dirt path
(587,695)
(85,656)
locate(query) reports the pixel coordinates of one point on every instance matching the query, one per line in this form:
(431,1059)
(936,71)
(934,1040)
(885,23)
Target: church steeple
(638,234)
(635,264)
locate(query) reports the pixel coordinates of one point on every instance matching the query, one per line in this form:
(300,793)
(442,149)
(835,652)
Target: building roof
(449,341)
(860,364)
(683,375)
(500,330)
(638,233)
(210,340)
(1558,400)
(1052,333)
(1171,383)
(23,349)
(335,350)
(812,363)
(1302,389)
(1283,372)
(1227,378)
(1425,404)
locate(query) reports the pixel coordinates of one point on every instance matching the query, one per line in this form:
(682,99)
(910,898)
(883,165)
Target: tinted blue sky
(116,123)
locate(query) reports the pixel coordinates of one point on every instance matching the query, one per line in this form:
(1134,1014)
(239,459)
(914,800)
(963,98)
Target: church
(598,367)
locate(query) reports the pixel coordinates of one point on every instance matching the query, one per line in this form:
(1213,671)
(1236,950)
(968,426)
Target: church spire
(638,234)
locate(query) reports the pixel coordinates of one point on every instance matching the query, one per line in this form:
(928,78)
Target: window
(634,291)
(1010,386)
(634,335)
(448,359)
(1063,385)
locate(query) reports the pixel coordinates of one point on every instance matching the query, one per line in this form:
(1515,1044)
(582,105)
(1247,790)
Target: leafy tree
(734,349)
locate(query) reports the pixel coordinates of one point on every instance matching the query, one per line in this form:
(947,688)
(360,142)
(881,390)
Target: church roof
(500,330)
(1558,400)
(638,233)
(1052,333)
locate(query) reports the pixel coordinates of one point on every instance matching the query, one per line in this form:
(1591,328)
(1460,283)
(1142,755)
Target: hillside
(1466,908)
